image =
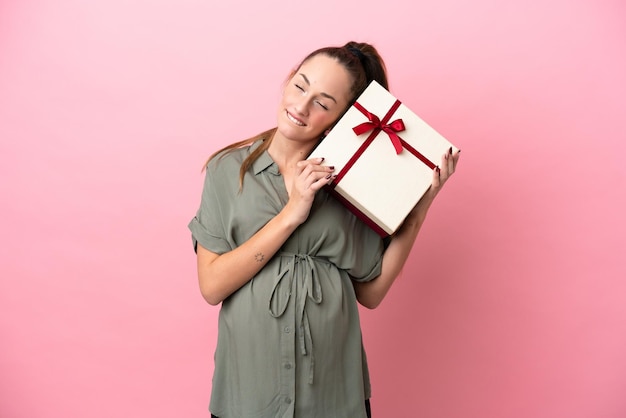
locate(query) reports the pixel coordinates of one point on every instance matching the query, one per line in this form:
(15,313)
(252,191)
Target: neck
(286,153)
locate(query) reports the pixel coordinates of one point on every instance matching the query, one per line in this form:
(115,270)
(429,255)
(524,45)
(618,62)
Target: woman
(288,263)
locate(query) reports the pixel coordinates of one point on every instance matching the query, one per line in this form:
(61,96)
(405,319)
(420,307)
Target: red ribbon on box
(377,125)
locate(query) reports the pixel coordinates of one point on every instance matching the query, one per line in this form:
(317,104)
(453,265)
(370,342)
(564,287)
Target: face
(314,98)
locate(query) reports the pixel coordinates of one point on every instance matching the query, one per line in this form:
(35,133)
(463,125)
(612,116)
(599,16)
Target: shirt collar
(264,162)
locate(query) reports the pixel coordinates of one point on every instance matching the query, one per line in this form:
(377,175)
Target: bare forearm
(222,275)
(370,294)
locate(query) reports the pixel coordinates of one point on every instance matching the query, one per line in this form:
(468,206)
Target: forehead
(327,75)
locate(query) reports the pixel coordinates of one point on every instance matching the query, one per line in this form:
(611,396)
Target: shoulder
(228,160)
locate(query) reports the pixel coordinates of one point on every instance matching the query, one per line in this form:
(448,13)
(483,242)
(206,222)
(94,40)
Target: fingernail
(450,151)
(458,151)
(437,169)
(328,176)
(332,167)
(322,159)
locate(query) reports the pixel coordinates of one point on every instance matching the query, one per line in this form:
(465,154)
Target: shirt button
(287,400)
(287,330)
(287,366)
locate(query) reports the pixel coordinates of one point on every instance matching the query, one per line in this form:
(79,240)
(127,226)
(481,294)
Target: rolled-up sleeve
(207,227)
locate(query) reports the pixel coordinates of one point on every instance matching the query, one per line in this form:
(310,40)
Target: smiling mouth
(294,120)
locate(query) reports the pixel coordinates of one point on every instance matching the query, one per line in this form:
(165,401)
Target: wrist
(286,221)
(415,218)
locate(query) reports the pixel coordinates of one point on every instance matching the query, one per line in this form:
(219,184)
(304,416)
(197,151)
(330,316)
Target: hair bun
(357,53)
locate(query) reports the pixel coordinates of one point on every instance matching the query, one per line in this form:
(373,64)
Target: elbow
(212,299)
(367,296)
(209,288)
(211,296)
(369,303)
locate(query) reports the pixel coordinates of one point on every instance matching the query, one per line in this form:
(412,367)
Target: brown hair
(361,60)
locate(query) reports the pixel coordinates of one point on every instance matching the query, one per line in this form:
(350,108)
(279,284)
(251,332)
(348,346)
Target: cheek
(287,95)
(284,99)
(330,118)
(322,120)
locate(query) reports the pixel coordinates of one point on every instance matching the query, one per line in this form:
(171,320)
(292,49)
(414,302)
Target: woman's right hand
(222,275)
(309,177)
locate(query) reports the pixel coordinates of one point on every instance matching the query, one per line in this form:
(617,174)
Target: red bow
(375,123)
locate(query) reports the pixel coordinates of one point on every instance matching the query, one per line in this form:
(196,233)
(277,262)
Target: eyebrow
(306,80)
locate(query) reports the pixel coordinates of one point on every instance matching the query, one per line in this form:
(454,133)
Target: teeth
(294,120)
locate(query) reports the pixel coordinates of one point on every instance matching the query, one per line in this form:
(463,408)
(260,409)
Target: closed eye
(326,95)
(322,105)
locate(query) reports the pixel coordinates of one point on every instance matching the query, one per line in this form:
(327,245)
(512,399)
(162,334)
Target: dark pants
(368,409)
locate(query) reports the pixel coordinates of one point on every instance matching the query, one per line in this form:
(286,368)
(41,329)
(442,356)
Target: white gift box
(377,183)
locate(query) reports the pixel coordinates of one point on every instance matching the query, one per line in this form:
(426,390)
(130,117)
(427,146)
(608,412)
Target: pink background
(513,303)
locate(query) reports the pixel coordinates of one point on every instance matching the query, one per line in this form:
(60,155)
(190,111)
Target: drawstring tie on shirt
(311,290)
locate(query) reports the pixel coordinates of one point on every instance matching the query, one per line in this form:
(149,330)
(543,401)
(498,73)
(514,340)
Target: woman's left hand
(443,172)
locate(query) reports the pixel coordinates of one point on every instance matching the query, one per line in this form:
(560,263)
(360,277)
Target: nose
(302,104)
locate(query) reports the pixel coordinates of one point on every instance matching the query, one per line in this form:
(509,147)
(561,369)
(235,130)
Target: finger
(314,161)
(302,165)
(306,171)
(450,161)
(443,174)
(322,181)
(316,171)
(311,174)
(455,158)
(436,177)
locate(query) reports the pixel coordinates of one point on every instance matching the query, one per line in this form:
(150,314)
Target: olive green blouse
(289,341)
